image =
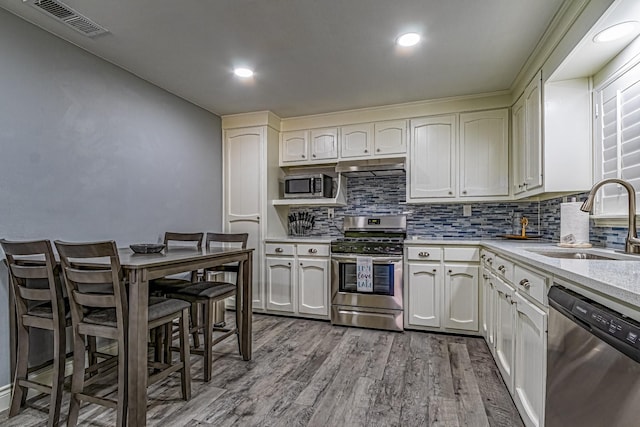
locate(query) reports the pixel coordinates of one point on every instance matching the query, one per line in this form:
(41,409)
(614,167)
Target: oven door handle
(376,259)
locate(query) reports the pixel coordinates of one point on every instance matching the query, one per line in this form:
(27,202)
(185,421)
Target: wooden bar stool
(37,308)
(99,308)
(207,294)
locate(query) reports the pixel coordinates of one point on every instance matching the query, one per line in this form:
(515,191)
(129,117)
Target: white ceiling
(310,56)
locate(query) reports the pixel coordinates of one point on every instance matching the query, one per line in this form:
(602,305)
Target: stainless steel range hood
(371,167)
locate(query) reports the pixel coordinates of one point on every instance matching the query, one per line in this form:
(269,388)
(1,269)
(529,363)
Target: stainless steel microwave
(308,186)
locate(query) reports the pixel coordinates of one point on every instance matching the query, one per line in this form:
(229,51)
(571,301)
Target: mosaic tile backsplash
(386,196)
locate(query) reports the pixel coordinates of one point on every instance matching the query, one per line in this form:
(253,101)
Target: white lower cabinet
(424,288)
(505,331)
(442,288)
(313,279)
(297,278)
(513,301)
(487,315)
(461,297)
(280,284)
(530,361)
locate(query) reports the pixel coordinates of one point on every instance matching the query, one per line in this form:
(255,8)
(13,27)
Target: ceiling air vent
(68,16)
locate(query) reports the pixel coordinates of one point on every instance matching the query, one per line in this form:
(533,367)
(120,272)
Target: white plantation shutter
(618,140)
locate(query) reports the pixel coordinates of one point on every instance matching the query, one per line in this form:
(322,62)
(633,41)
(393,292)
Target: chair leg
(209,308)
(195,323)
(77,381)
(121,414)
(168,340)
(19,395)
(185,355)
(59,358)
(92,348)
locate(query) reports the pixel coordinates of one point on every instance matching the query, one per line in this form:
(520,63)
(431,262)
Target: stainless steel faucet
(632,243)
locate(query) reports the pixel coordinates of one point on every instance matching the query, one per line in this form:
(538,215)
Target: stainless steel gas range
(366,273)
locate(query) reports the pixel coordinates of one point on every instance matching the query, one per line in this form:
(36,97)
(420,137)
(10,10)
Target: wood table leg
(247,306)
(137,351)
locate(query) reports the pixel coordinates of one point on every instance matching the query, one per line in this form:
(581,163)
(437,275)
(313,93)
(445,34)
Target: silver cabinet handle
(288,263)
(483,256)
(303,156)
(279,250)
(434,270)
(450,192)
(464,191)
(450,271)
(501,268)
(378,150)
(366,151)
(313,155)
(424,254)
(525,283)
(300,264)
(312,251)
(490,260)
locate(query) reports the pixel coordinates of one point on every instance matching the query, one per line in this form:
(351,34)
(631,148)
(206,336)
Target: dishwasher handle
(613,328)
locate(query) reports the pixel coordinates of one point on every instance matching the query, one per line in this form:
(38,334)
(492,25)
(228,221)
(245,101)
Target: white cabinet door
(431,160)
(390,137)
(484,153)
(356,140)
(294,146)
(313,291)
(530,361)
(280,286)
(488,312)
(461,297)
(532,147)
(505,331)
(324,144)
(243,168)
(424,285)
(518,121)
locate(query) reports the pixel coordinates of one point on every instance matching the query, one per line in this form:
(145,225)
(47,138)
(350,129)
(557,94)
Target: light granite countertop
(298,239)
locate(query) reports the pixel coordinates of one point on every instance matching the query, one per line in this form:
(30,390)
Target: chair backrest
(94,278)
(227,238)
(34,261)
(195,238)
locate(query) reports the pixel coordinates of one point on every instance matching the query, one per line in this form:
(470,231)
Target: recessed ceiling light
(243,72)
(409,39)
(616,32)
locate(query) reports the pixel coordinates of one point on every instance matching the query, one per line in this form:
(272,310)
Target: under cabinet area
(297,278)
(514,326)
(441,288)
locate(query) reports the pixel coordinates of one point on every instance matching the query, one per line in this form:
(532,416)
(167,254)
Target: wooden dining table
(139,269)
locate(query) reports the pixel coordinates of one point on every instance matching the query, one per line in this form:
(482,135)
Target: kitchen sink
(585,254)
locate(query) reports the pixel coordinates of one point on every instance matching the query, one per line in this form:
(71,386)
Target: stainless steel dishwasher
(593,364)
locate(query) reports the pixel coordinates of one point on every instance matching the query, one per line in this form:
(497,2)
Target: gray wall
(88,151)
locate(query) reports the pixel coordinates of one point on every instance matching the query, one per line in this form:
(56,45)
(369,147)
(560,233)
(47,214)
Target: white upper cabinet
(484,154)
(390,137)
(294,146)
(431,161)
(380,139)
(324,144)
(308,147)
(356,140)
(527,139)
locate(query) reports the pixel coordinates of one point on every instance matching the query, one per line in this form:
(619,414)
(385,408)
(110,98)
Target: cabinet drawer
(530,283)
(485,256)
(313,250)
(503,268)
(424,253)
(462,254)
(279,249)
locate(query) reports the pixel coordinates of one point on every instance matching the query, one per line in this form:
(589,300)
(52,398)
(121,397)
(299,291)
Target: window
(617,140)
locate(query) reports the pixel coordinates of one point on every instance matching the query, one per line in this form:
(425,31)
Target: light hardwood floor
(309,373)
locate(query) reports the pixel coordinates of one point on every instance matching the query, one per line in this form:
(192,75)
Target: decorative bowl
(147,248)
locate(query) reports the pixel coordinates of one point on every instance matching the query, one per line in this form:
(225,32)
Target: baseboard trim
(5,397)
